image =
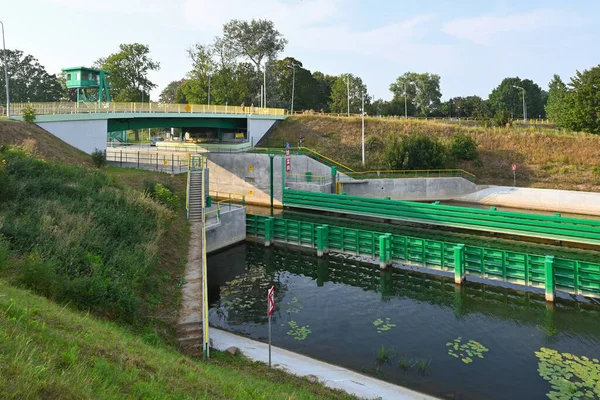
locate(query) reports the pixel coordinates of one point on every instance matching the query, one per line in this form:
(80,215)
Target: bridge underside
(123,124)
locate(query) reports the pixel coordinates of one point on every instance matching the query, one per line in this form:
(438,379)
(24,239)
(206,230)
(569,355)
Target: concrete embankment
(330,375)
(537,199)
(411,189)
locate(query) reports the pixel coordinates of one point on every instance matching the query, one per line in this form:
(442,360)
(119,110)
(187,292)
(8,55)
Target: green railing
(522,224)
(531,270)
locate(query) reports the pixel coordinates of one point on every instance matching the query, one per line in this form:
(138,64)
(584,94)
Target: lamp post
(6,74)
(293,67)
(348,84)
(209,89)
(405,102)
(363,128)
(524,105)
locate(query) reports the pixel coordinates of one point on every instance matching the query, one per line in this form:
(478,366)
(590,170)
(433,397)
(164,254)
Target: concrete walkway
(565,201)
(328,374)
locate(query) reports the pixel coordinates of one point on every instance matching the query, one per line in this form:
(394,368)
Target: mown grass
(545,157)
(81,236)
(50,351)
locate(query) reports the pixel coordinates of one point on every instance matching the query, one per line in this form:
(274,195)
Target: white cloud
(116,6)
(485,29)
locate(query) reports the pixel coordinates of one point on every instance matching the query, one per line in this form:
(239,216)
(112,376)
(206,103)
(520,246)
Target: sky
(472,45)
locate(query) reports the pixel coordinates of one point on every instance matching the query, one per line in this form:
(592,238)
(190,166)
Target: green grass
(51,351)
(385,356)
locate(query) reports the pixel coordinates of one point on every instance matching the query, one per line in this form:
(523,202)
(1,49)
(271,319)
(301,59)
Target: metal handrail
(102,108)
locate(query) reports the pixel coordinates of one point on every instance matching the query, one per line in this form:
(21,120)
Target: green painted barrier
(569,276)
(523,224)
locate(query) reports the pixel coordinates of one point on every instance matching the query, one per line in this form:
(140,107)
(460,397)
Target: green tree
(339,94)
(169,93)
(305,95)
(322,91)
(422,90)
(256,40)
(129,69)
(509,98)
(576,106)
(417,151)
(29,80)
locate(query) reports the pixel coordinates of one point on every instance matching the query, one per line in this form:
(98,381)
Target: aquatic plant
(383,326)
(423,365)
(298,332)
(569,376)
(405,364)
(385,356)
(466,351)
(294,306)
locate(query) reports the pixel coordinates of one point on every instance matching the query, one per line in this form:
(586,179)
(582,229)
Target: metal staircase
(195,196)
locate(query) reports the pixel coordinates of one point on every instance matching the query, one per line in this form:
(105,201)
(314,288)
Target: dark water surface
(343,311)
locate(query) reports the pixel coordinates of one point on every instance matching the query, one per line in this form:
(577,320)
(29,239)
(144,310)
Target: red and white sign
(287,152)
(288,165)
(514,167)
(271,301)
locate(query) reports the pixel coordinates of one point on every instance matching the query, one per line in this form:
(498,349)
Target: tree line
(237,63)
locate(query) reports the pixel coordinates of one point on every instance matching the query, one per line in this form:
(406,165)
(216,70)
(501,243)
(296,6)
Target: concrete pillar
(549,275)
(385,251)
(269,231)
(459,264)
(322,240)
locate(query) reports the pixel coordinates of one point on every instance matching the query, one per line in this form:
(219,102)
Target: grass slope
(41,143)
(51,352)
(546,158)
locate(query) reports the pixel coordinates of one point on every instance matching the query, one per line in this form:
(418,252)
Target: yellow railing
(421,173)
(95,108)
(228,198)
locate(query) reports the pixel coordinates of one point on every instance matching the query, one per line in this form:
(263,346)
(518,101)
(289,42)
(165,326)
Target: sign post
(270,309)
(514,168)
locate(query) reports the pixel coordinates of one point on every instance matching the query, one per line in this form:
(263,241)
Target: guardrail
(169,163)
(515,223)
(531,270)
(227,198)
(394,174)
(308,178)
(304,151)
(101,108)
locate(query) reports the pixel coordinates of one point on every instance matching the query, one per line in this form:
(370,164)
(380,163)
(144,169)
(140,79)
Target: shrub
(502,119)
(29,114)
(162,194)
(98,158)
(463,147)
(417,151)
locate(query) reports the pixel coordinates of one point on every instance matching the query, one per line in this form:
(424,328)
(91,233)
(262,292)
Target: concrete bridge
(87,125)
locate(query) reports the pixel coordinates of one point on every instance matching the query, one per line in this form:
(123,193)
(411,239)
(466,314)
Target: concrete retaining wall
(230,231)
(565,201)
(248,174)
(415,189)
(310,187)
(85,135)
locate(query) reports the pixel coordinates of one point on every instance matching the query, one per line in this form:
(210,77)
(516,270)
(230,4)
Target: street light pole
(524,105)
(6,74)
(348,83)
(405,103)
(209,89)
(265,86)
(293,66)
(363,129)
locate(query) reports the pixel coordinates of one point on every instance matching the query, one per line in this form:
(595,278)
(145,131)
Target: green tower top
(82,78)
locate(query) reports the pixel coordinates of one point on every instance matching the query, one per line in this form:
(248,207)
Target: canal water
(409,328)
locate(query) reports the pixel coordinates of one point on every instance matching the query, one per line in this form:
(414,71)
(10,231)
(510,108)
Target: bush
(502,119)
(416,151)
(29,114)
(98,158)
(463,147)
(162,194)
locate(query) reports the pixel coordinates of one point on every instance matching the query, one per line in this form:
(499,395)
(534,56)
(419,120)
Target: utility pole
(209,89)
(293,67)
(524,105)
(348,83)
(6,74)
(265,86)
(405,103)
(363,129)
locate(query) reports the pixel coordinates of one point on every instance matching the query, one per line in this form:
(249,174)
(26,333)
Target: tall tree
(169,93)
(507,97)
(422,90)
(255,40)
(339,94)
(29,80)
(290,76)
(129,69)
(576,106)
(322,91)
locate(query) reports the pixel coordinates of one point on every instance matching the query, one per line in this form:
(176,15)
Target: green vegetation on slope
(546,158)
(76,235)
(48,351)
